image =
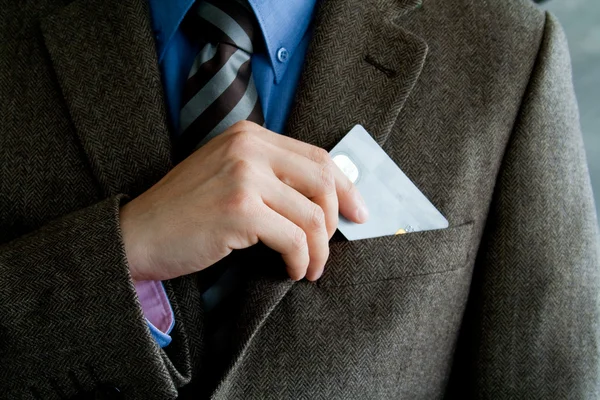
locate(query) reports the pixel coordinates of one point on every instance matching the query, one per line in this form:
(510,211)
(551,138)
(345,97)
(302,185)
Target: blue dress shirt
(285,28)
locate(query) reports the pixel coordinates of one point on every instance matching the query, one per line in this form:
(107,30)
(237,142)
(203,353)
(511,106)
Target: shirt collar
(166,18)
(283,24)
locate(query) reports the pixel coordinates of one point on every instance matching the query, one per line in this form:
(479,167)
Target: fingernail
(362,212)
(320,274)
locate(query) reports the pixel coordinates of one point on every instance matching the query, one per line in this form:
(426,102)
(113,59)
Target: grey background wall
(581,22)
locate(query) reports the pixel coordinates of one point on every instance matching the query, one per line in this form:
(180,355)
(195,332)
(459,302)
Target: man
(134,195)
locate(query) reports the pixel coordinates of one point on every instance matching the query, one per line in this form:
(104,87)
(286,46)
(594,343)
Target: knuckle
(327,178)
(241,202)
(345,185)
(244,125)
(317,217)
(241,170)
(348,187)
(319,155)
(241,143)
(299,242)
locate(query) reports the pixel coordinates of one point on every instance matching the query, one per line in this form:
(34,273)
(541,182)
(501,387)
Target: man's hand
(246,185)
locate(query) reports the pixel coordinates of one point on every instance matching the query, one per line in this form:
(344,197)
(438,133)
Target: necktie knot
(226,21)
(220,89)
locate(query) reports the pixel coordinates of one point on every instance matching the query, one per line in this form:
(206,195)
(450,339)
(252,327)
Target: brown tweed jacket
(472,98)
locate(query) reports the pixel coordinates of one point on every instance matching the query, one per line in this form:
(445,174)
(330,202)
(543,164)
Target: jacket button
(107,392)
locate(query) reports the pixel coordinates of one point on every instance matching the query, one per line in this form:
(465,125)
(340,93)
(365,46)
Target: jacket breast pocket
(393,257)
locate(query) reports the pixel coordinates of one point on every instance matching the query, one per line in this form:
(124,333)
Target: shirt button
(283,54)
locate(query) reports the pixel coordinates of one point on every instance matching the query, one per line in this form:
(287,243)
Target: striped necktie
(219,92)
(220,89)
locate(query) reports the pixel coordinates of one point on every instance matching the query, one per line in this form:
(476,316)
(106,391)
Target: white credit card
(396,205)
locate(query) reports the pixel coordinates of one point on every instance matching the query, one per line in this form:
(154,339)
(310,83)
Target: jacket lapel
(104,57)
(360,69)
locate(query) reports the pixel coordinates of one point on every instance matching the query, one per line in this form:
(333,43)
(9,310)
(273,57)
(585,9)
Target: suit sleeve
(70,319)
(532,323)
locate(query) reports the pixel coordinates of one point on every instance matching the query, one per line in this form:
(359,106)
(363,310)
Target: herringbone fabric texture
(472,99)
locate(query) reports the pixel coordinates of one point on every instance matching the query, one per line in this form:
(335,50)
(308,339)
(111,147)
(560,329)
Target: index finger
(352,204)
